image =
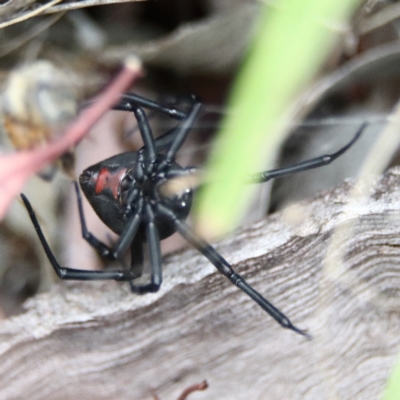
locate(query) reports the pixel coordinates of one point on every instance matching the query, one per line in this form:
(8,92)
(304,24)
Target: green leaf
(293,39)
(392,391)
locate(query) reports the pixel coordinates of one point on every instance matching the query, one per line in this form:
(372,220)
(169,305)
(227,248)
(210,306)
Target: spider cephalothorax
(126,192)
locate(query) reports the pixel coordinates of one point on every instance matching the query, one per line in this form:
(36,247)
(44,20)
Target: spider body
(126,191)
(116,186)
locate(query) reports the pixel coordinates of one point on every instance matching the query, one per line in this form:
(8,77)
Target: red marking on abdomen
(108,180)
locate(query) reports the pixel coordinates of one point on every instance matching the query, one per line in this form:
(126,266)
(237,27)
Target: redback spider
(125,191)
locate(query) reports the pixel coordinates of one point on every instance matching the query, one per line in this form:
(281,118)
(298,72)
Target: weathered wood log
(98,341)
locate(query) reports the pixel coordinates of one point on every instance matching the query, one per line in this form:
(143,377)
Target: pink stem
(16,168)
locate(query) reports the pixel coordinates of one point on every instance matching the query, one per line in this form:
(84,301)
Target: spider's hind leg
(226,269)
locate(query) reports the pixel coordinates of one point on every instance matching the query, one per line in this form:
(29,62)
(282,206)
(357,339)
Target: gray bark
(98,341)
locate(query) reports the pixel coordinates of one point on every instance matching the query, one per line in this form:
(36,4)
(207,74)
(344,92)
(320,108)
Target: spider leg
(147,135)
(124,240)
(137,259)
(129,100)
(71,273)
(165,140)
(226,269)
(153,241)
(183,130)
(128,103)
(305,165)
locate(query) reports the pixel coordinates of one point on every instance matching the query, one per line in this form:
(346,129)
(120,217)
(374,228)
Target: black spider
(126,193)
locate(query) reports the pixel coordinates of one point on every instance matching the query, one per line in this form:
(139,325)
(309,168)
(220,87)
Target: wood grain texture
(98,341)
